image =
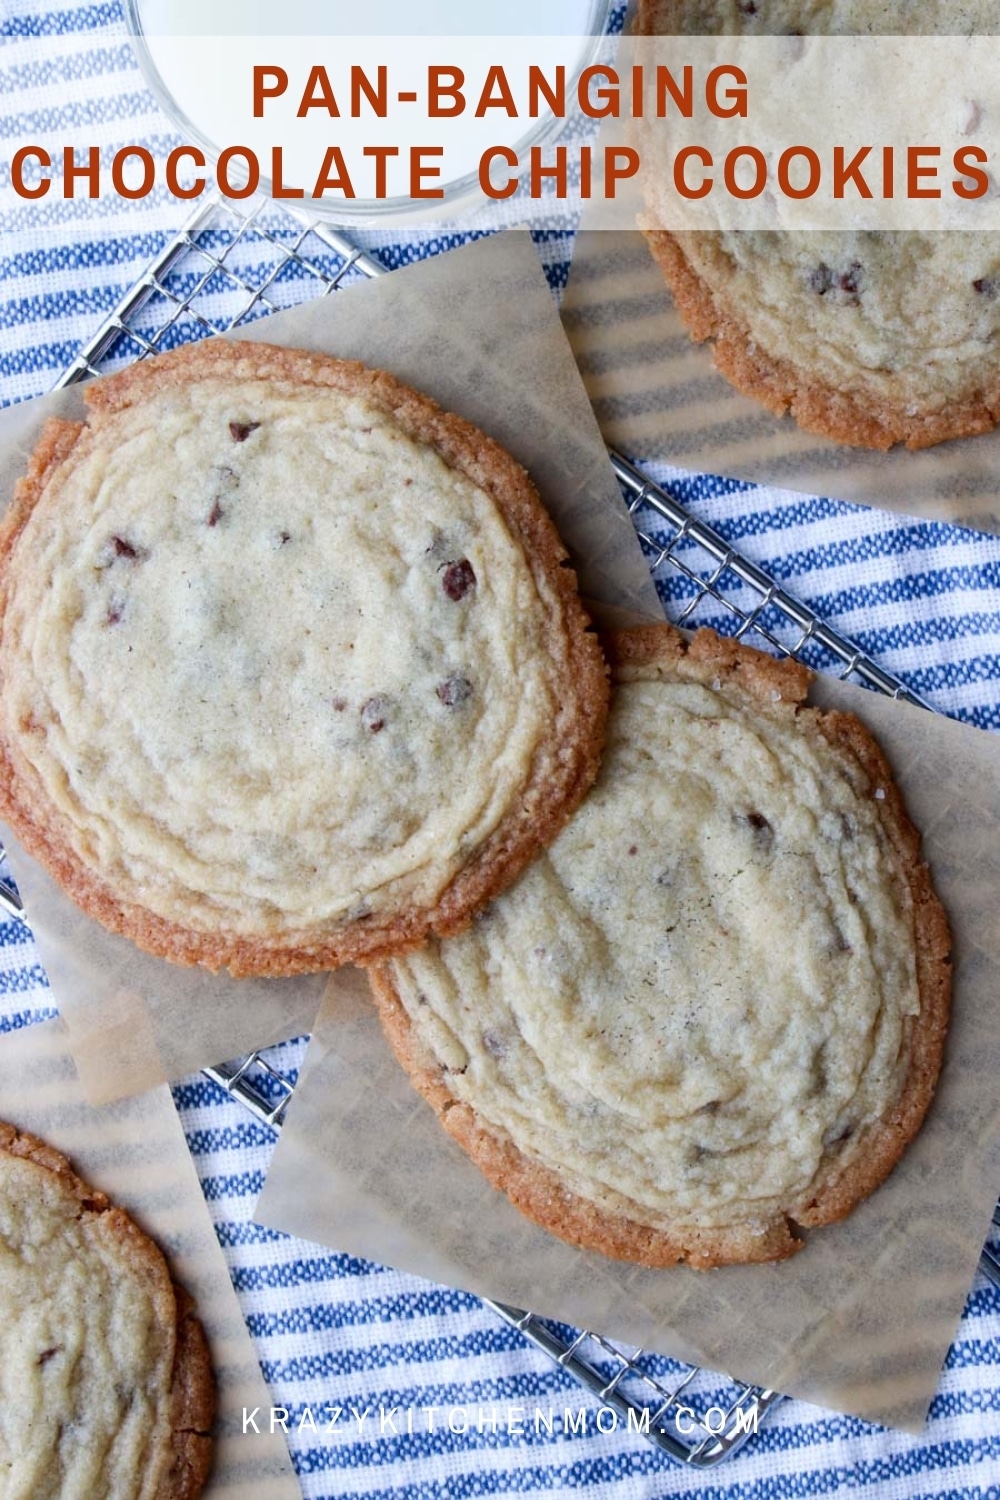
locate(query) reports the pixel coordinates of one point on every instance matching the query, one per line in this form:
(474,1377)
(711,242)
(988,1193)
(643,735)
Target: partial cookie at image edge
(193,1396)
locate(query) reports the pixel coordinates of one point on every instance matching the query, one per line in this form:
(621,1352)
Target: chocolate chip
(373,714)
(457,578)
(763,832)
(338,705)
(115,612)
(48,1354)
(454,691)
(240,431)
(849,281)
(821,279)
(748,7)
(120,549)
(633,848)
(227,480)
(987,286)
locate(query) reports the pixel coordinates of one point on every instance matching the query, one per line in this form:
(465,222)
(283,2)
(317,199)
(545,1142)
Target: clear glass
(585,20)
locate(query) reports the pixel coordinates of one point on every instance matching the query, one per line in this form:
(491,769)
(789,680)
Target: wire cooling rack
(231,264)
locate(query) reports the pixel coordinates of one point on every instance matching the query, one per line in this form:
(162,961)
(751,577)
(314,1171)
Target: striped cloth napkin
(341,1333)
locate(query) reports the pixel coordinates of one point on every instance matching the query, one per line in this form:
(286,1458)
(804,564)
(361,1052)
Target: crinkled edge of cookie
(564,766)
(855,416)
(193,1381)
(537,1190)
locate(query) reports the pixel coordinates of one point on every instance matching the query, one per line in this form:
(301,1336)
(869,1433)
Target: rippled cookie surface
(292,672)
(713,1011)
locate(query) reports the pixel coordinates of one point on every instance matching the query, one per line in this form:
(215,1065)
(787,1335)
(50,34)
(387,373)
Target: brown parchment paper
(658,396)
(136,1153)
(477,329)
(862,1318)
(134,1021)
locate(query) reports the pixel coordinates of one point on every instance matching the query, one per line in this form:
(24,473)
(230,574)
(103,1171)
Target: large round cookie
(713,1013)
(106,1387)
(869,337)
(292,668)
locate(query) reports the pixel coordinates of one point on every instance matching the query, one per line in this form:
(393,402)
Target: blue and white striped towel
(330,1330)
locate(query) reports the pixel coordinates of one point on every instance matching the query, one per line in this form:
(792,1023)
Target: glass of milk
(241,78)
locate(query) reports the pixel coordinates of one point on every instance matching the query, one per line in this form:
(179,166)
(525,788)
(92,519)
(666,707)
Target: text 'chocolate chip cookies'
(714,1011)
(292,669)
(106,1386)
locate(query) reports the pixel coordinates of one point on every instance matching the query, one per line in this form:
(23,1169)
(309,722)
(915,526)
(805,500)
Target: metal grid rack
(267,259)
